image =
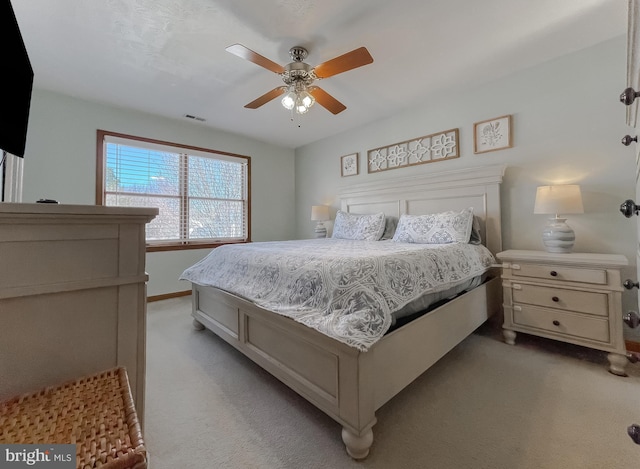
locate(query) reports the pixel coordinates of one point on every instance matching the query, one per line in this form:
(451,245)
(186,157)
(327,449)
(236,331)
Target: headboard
(477,187)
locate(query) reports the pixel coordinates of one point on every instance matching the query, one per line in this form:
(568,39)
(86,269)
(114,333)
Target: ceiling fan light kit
(298,77)
(298,98)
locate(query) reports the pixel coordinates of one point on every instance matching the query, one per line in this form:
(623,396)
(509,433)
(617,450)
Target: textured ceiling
(168,57)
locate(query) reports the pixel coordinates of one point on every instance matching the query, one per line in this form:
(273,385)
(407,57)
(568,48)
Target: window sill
(191,245)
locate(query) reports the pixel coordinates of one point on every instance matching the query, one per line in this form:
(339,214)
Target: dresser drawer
(555,272)
(570,324)
(560,298)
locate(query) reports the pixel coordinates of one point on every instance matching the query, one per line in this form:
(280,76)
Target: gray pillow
(475,237)
(390,224)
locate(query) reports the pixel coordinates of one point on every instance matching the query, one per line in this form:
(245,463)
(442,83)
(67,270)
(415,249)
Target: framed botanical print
(492,135)
(349,165)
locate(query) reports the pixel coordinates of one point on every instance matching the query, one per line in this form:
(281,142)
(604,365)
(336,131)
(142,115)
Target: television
(18,82)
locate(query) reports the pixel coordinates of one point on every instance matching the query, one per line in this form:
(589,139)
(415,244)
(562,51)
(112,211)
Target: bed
(350,375)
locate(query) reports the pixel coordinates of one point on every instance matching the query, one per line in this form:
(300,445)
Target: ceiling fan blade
(326,100)
(247,54)
(354,59)
(265,98)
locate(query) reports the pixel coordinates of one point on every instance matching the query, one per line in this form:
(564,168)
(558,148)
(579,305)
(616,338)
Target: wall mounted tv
(18,82)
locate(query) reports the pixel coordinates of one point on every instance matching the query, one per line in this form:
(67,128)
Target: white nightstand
(572,297)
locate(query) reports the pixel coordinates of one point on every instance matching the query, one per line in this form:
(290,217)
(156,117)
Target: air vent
(195,118)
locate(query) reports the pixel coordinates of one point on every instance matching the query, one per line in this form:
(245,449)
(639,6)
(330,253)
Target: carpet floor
(536,405)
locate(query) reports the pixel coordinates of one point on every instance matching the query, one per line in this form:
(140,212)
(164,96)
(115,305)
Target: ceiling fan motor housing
(298,72)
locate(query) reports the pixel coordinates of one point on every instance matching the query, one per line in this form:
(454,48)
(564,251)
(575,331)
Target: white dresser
(571,297)
(72,294)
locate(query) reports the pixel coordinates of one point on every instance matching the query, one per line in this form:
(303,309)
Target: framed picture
(492,134)
(426,149)
(349,165)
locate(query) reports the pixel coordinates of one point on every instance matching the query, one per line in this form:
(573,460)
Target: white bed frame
(345,383)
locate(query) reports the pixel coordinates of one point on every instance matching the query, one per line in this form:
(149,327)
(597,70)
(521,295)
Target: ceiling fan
(299,77)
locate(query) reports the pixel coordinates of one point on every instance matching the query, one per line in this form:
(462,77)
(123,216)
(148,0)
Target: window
(202,195)
(11,169)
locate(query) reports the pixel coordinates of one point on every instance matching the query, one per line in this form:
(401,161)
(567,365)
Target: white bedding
(345,289)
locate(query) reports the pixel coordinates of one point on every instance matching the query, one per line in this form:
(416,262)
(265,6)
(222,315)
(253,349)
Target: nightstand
(573,298)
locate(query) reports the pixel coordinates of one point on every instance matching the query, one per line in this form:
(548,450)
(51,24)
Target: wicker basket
(96,413)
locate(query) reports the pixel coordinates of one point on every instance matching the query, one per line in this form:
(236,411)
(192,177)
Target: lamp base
(558,236)
(321,231)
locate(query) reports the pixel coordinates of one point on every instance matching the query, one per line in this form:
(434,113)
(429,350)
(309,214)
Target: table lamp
(559,199)
(320,213)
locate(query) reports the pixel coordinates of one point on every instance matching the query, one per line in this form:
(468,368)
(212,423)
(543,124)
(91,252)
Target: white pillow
(435,228)
(363,227)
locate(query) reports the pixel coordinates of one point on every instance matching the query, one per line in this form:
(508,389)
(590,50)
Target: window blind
(201,196)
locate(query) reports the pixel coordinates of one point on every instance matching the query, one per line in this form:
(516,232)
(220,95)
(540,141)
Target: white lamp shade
(289,100)
(320,212)
(307,99)
(560,199)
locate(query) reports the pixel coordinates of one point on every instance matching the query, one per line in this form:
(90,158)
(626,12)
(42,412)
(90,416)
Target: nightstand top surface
(577,258)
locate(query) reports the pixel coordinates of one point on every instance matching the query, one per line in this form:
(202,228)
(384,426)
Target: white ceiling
(167,57)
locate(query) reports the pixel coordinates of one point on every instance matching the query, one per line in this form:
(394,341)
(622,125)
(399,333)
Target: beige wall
(567,123)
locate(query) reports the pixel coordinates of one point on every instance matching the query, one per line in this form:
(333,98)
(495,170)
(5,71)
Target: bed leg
(197,325)
(509,336)
(357,446)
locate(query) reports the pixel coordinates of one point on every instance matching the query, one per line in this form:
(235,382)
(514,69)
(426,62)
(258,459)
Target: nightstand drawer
(562,322)
(572,300)
(556,272)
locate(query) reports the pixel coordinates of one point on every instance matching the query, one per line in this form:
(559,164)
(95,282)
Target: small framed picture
(492,134)
(349,165)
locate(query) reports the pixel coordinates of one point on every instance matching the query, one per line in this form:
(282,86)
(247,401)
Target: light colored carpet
(539,404)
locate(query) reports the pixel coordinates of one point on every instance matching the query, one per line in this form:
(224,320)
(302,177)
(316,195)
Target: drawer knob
(631,319)
(634,433)
(630,284)
(553,273)
(556,323)
(629,208)
(628,96)
(627,139)
(555,299)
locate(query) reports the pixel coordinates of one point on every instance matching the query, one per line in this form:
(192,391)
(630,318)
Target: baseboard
(632,346)
(167,296)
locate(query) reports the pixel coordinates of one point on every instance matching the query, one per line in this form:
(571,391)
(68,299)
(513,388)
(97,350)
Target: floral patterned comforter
(345,289)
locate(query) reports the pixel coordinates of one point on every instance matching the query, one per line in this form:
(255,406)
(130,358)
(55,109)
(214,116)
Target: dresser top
(8,209)
(573,258)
